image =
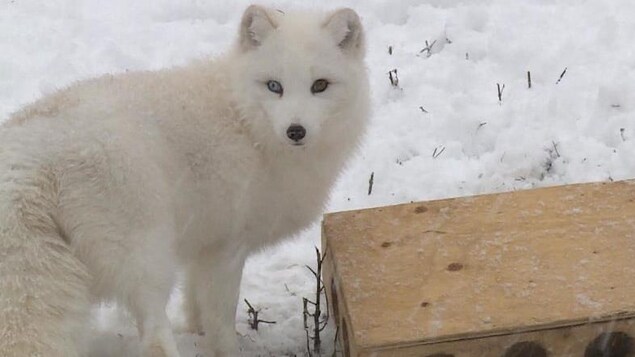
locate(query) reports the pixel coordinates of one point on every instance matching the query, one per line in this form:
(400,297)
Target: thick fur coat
(110,186)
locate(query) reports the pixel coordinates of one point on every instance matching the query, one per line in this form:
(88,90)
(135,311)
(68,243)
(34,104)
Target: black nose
(296,132)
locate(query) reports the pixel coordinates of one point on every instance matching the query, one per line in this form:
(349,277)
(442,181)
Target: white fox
(110,186)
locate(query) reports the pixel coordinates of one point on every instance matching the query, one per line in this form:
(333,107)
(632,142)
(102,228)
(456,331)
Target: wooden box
(544,272)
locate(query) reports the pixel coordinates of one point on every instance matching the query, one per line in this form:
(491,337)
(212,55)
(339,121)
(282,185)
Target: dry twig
(254,321)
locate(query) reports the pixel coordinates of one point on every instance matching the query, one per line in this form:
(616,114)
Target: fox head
(299,79)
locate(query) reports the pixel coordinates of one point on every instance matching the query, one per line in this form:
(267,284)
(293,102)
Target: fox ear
(255,26)
(346,28)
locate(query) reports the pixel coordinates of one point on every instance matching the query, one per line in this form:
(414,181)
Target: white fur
(109,186)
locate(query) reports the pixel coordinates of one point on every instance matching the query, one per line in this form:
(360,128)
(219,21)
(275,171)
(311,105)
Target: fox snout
(296,133)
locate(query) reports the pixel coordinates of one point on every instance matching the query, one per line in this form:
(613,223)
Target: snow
(577,130)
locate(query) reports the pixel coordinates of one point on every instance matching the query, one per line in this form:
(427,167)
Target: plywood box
(545,272)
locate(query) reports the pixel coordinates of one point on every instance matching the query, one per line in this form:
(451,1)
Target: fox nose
(296,132)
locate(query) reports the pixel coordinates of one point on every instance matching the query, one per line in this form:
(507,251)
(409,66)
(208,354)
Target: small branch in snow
(622,134)
(428,48)
(319,321)
(390,50)
(561,75)
(467,56)
(480,125)
(555,148)
(500,90)
(528,79)
(423,110)
(553,155)
(370,183)
(254,321)
(438,151)
(394,80)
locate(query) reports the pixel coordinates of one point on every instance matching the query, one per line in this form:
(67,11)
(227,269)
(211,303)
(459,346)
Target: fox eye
(274,86)
(319,86)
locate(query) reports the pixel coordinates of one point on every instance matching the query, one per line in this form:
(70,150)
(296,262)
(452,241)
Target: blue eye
(275,87)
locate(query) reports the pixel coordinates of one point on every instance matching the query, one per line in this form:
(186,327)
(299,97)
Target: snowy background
(442,132)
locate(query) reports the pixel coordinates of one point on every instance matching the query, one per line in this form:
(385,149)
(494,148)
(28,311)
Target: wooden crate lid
(485,265)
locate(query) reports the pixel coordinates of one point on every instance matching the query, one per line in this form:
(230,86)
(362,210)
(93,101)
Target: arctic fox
(110,186)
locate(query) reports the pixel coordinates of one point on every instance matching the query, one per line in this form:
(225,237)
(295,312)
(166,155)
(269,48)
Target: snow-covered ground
(442,132)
